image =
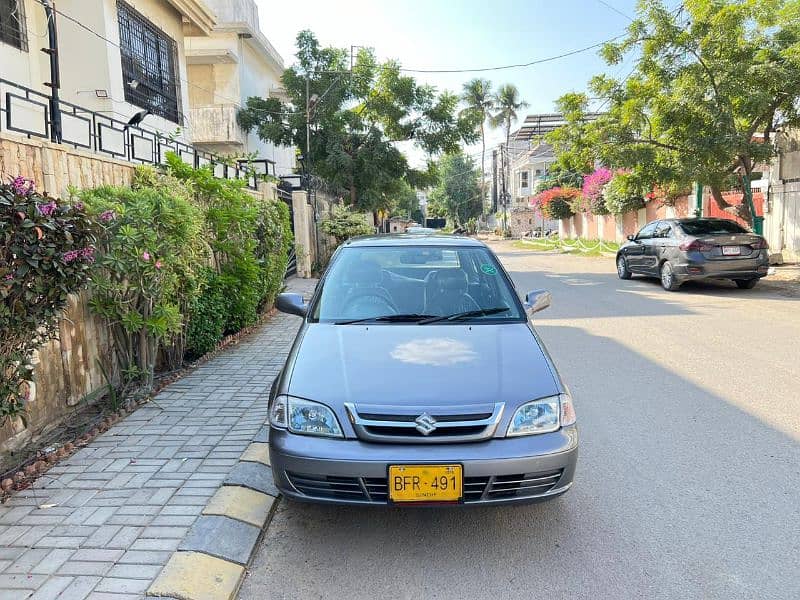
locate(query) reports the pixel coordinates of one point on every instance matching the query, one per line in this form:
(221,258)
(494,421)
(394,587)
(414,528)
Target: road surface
(688,483)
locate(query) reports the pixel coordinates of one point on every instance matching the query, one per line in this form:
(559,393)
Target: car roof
(413,239)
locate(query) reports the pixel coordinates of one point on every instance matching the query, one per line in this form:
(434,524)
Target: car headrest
(365,272)
(451,280)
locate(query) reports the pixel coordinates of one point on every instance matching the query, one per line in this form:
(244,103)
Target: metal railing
(27,112)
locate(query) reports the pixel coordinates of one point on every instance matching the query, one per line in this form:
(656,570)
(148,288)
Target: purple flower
(158,264)
(78,206)
(22,186)
(145,255)
(9,277)
(46,209)
(107,216)
(68,257)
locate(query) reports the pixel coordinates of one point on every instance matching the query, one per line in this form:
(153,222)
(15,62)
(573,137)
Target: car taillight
(760,244)
(695,245)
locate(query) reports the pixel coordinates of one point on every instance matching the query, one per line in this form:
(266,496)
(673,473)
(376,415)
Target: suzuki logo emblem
(425,424)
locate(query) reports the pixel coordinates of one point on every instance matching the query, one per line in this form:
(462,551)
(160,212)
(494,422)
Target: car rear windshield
(711,227)
(370,282)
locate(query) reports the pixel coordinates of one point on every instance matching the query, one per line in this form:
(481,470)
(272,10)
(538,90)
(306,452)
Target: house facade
(116,58)
(236,61)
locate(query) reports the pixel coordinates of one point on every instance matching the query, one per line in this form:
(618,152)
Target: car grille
(438,425)
(375,490)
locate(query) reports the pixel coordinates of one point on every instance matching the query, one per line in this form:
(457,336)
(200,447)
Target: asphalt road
(688,483)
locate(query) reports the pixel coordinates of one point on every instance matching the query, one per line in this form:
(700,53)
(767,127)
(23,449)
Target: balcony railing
(27,112)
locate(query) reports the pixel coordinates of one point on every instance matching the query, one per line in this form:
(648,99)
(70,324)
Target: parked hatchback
(679,250)
(417,378)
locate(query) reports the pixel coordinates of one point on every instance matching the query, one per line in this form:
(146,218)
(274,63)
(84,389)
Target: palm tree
(479,100)
(507,102)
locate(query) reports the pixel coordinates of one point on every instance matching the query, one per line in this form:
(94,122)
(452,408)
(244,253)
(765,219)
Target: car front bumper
(498,471)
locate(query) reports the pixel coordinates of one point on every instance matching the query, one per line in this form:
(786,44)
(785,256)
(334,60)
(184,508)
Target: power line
(519,65)
(615,9)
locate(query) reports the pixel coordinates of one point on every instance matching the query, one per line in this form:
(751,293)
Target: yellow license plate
(425,483)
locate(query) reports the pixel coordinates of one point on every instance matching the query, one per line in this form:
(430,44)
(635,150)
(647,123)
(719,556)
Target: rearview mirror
(631,238)
(292,304)
(536,301)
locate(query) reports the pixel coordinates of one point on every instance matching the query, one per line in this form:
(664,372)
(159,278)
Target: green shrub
(624,193)
(47,250)
(207,315)
(343,224)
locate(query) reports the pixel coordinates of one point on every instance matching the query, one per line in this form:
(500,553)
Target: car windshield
(711,227)
(401,284)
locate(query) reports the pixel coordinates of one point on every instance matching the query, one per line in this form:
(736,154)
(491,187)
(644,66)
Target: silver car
(417,378)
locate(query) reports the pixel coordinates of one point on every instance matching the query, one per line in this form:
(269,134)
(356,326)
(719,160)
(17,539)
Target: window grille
(13,30)
(149,64)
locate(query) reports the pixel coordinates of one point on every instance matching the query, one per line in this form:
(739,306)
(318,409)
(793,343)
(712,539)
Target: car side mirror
(631,238)
(292,304)
(536,301)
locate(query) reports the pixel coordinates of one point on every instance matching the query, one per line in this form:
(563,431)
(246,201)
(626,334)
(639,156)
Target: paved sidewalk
(103,523)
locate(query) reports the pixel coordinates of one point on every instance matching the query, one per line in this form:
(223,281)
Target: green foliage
(343,224)
(709,78)
(624,193)
(250,239)
(458,195)
(46,252)
(207,314)
(355,120)
(145,276)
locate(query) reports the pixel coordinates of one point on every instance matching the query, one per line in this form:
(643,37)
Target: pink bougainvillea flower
(145,255)
(158,264)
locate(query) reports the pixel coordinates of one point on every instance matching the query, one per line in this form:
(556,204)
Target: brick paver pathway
(103,523)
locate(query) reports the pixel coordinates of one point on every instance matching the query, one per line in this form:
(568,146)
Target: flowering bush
(593,185)
(151,246)
(46,253)
(557,202)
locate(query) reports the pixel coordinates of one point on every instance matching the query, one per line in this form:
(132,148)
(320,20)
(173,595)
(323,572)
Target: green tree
(479,104)
(712,82)
(355,118)
(458,195)
(343,224)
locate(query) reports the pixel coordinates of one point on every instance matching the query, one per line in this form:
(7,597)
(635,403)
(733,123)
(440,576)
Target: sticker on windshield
(489,269)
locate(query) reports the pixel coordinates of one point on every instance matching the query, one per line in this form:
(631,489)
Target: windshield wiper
(482,312)
(399,318)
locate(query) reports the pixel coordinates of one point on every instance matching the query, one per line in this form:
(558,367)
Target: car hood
(420,365)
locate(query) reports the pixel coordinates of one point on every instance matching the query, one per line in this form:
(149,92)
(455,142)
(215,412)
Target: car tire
(745,284)
(668,280)
(622,268)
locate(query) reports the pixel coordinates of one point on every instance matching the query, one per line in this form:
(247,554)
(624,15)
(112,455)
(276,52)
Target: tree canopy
(458,195)
(356,117)
(713,80)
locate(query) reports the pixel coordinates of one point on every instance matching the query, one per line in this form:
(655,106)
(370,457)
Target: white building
(232,64)
(528,166)
(116,58)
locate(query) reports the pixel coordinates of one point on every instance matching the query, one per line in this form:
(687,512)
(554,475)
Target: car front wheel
(622,268)
(668,281)
(746,284)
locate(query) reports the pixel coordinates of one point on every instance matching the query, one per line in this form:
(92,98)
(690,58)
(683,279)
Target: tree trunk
(483,166)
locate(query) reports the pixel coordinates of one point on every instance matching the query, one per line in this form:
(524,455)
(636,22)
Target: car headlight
(542,416)
(304,417)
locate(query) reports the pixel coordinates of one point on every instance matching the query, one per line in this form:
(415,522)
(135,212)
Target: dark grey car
(417,378)
(679,250)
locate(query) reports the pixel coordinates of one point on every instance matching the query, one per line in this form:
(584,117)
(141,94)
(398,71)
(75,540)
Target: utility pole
(55,78)
(505,159)
(312,194)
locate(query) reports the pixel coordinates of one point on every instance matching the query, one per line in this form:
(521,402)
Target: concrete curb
(210,562)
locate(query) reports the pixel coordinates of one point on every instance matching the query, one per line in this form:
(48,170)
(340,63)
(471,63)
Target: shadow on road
(679,494)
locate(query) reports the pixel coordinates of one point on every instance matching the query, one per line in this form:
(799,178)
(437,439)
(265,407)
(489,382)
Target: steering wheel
(375,294)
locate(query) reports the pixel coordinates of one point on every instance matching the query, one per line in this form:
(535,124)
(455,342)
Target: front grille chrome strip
(392,430)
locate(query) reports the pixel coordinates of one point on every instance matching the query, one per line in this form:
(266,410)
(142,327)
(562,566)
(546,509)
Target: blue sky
(464,34)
